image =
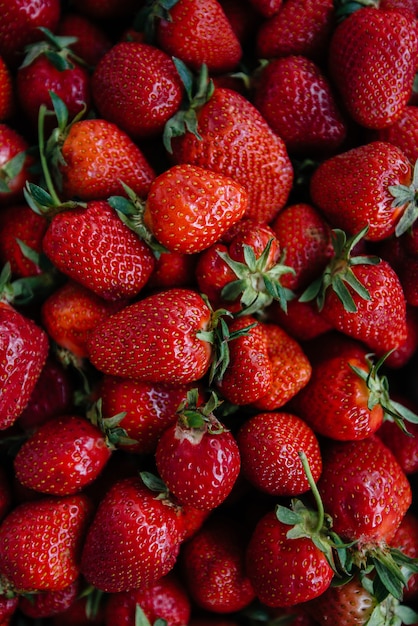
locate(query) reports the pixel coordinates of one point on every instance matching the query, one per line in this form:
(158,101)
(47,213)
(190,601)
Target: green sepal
(56,48)
(152,11)
(344,8)
(116,436)
(407,197)
(11,169)
(28,289)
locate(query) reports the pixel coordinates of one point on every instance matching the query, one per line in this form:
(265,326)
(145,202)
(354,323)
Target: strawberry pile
(208,312)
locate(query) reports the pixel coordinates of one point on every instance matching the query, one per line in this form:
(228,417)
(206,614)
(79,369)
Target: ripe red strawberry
(20,26)
(291,369)
(8,606)
(20,223)
(299,27)
(149,407)
(305,237)
(7,96)
(301,320)
(154,91)
(23,349)
(364,489)
(92,39)
(402,442)
(71,312)
(188,208)
(198,32)
(406,540)
(49,603)
(62,456)
(15,164)
(197,457)
(269,444)
(259,162)
(166,599)
(134,538)
(86,610)
(372,62)
(5,492)
(164,337)
(249,374)
(93,247)
(357,188)
(173,269)
(297,100)
(41,542)
(267,8)
(213,564)
(403,133)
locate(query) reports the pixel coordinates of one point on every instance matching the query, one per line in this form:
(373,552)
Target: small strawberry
(41,543)
(403,133)
(18,223)
(406,540)
(137,87)
(372,62)
(49,603)
(15,165)
(297,100)
(62,456)
(165,600)
(8,607)
(92,40)
(173,269)
(213,564)
(197,457)
(134,538)
(301,320)
(269,444)
(267,8)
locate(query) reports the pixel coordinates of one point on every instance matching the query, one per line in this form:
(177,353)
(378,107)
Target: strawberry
(49,603)
(213,563)
(71,312)
(20,27)
(198,441)
(149,409)
(403,133)
(364,490)
(92,39)
(122,262)
(301,320)
(166,599)
(5,493)
(401,442)
(198,32)
(173,269)
(267,8)
(98,10)
(372,62)
(62,456)
(134,538)
(169,339)
(136,86)
(269,444)
(291,369)
(18,223)
(357,188)
(260,163)
(297,100)
(41,542)
(299,27)
(15,164)
(406,540)
(86,610)
(7,96)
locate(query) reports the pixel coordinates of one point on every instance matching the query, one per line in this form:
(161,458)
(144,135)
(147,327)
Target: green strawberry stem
(153,10)
(379,394)
(338,275)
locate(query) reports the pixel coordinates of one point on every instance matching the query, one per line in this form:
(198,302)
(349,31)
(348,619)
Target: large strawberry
(231,137)
(372,61)
(197,456)
(134,538)
(41,543)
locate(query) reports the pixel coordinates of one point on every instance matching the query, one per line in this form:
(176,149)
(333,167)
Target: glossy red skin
(100,252)
(78,614)
(364,490)
(298,28)
(98,155)
(213,458)
(302,320)
(20,222)
(173,269)
(20,25)
(71,312)
(23,352)
(403,446)
(236,141)
(335,401)
(92,40)
(297,100)
(50,603)
(48,527)
(351,188)
(372,62)
(166,599)
(213,566)
(155,339)
(406,540)
(134,538)
(11,144)
(267,8)
(150,408)
(271,557)
(379,332)
(199,32)
(62,456)
(188,208)
(35,81)
(269,444)
(155,90)
(403,133)
(8,607)
(7,97)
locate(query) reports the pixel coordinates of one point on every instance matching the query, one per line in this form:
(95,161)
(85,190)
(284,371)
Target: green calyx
(192,415)
(56,49)
(379,394)
(257,284)
(407,197)
(116,436)
(147,17)
(344,8)
(198,91)
(339,276)
(10,170)
(29,289)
